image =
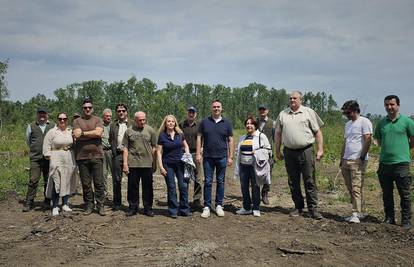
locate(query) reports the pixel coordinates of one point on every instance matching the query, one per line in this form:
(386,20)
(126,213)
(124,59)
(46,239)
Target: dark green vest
(36,140)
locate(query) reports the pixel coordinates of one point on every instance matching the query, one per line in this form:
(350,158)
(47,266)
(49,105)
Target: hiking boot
(406,225)
(243,211)
(88,210)
(389,220)
(173,216)
(296,213)
(256,213)
(265,198)
(27,207)
(316,215)
(149,213)
(101,211)
(55,211)
(219,211)
(131,212)
(206,213)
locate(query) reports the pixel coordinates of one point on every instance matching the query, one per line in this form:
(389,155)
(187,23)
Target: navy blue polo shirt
(172,150)
(215,137)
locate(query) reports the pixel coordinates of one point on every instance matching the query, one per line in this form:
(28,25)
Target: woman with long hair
(171,144)
(57,146)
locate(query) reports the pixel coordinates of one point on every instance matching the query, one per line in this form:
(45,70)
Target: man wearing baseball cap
(39,165)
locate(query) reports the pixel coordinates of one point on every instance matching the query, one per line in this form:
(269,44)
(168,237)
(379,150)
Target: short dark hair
(254,121)
(121,105)
(391,97)
(216,100)
(87,100)
(60,113)
(351,105)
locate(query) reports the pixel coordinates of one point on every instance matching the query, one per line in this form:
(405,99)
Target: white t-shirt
(354,140)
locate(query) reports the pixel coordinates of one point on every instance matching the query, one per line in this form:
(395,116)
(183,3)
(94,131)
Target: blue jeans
(247,178)
(178,170)
(209,165)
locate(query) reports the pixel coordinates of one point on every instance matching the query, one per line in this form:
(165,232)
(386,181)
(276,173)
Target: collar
(265,119)
(213,119)
(125,121)
(396,118)
(47,122)
(300,110)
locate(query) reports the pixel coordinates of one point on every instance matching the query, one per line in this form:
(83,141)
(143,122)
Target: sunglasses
(87,107)
(62,119)
(121,111)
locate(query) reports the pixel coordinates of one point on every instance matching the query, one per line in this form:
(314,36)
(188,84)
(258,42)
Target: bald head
(140,119)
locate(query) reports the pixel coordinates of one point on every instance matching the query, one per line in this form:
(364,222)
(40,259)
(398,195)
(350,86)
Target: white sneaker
(242,211)
(66,208)
(55,211)
(219,211)
(256,213)
(206,213)
(354,218)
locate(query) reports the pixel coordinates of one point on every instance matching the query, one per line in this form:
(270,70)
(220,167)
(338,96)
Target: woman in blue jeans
(171,144)
(244,167)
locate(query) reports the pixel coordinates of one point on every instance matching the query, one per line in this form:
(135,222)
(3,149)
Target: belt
(65,148)
(300,149)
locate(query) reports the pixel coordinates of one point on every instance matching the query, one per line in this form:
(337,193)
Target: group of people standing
(136,149)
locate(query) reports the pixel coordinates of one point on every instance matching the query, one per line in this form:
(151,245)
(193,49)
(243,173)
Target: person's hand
(319,155)
(125,168)
(279,155)
(229,162)
(198,158)
(163,171)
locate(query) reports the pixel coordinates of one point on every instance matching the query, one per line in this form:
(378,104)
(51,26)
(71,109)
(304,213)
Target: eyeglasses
(121,110)
(87,107)
(62,119)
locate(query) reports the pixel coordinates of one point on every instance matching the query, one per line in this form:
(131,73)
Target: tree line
(144,94)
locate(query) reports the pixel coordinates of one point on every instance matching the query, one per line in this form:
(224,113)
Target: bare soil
(37,239)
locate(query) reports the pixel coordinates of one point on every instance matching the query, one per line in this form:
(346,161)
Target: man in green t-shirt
(395,135)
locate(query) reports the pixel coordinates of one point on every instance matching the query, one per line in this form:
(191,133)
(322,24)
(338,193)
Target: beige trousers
(353,172)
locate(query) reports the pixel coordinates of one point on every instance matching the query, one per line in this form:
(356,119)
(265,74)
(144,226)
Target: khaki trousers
(353,172)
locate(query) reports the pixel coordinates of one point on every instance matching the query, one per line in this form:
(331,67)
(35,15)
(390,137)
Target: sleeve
(125,139)
(48,143)
(159,140)
(200,127)
(315,121)
(28,133)
(76,124)
(278,123)
(410,127)
(99,123)
(367,127)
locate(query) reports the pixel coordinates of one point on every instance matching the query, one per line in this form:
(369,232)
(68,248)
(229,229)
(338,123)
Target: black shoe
(174,216)
(101,211)
(185,214)
(116,207)
(296,213)
(88,210)
(406,225)
(196,206)
(389,220)
(27,207)
(46,203)
(315,214)
(131,212)
(149,213)
(265,198)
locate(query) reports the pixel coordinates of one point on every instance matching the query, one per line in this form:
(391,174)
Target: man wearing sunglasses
(354,155)
(39,165)
(116,135)
(88,131)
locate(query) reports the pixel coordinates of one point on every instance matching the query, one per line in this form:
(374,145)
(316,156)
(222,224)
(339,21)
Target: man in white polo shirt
(298,127)
(354,156)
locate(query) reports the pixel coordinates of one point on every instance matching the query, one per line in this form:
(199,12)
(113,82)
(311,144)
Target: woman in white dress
(57,146)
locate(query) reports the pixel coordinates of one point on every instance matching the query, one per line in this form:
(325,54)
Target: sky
(359,50)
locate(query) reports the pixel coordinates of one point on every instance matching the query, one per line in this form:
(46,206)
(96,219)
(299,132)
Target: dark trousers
(134,177)
(117,179)
(301,163)
(400,174)
(37,168)
(176,170)
(91,170)
(247,180)
(197,184)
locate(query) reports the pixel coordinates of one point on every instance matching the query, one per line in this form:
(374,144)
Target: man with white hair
(139,163)
(107,160)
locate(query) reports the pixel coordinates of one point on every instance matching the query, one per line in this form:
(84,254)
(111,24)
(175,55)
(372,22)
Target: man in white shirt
(354,156)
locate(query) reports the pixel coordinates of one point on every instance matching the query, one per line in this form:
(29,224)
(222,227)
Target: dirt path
(275,239)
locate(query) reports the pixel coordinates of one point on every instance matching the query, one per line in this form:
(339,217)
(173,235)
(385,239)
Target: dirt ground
(275,239)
